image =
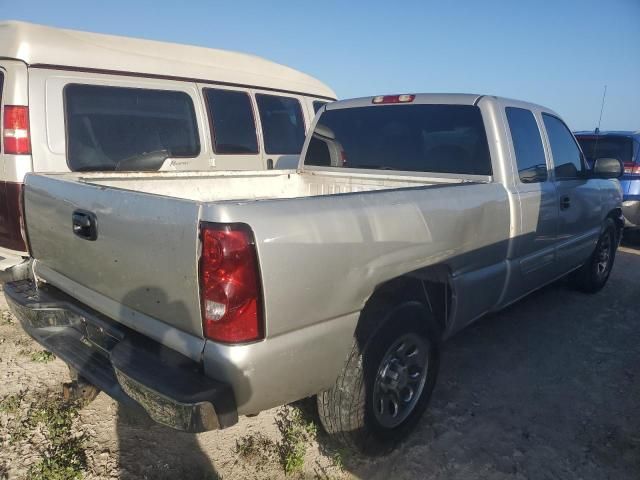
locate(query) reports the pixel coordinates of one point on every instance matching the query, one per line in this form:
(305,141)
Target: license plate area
(100,336)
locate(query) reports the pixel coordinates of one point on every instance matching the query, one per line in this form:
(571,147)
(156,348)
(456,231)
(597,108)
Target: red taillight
(229,284)
(631,168)
(16,130)
(393,98)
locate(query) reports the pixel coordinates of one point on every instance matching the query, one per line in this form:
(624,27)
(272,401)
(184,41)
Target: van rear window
(115,128)
(606,146)
(417,138)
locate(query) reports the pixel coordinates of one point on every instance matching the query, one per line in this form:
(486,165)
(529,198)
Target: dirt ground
(548,389)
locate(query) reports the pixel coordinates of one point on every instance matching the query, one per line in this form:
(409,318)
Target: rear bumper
(631,212)
(129,367)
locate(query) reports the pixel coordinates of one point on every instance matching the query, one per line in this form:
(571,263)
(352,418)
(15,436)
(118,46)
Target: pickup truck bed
(246,186)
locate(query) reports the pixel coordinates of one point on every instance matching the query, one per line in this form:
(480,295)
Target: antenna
(604,96)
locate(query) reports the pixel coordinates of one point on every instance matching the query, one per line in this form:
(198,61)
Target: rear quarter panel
(321,258)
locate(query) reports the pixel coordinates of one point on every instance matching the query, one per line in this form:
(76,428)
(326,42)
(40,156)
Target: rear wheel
(593,275)
(387,381)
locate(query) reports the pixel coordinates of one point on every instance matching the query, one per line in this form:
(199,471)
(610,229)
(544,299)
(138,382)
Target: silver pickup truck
(204,296)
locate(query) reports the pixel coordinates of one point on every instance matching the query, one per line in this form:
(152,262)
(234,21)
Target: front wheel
(593,275)
(387,380)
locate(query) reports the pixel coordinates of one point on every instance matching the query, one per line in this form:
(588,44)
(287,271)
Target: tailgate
(142,267)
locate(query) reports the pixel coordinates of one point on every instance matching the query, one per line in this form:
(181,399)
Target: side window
(233,127)
(282,124)
(567,157)
(317,105)
(116,128)
(527,143)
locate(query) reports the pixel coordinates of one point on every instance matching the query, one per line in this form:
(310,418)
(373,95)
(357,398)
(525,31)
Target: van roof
(42,46)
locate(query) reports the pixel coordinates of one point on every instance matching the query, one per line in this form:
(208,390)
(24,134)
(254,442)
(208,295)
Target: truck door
(534,245)
(578,197)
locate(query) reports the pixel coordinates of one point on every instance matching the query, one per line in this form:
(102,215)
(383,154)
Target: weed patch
(64,457)
(257,449)
(43,356)
(10,404)
(296,433)
(6,319)
(62,453)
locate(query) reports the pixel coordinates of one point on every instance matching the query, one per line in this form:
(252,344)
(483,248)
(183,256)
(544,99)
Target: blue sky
(559,53)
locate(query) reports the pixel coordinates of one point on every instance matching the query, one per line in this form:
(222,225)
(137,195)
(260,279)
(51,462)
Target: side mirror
(608,168)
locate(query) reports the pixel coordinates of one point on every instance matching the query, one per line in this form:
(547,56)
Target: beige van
(78,101)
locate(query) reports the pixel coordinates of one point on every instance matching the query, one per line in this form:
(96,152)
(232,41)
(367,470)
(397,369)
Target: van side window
(317,105)
(527,143)
(116,128)
(567,157)
(282,124)
(233,127)
(1,86)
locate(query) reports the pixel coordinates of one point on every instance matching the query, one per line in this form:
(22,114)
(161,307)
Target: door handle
(85,225)
(270,164)
(565,202)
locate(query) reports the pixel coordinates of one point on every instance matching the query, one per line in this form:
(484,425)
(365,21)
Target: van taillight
(229,284)
(15,132)
(631,168)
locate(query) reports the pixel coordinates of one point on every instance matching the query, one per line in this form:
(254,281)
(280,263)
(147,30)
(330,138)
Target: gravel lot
(548,389)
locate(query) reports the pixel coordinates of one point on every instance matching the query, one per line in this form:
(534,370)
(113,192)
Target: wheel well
(616,216)
(431,285)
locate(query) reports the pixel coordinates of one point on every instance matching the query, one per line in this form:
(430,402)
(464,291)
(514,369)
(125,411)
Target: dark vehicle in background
(625,146)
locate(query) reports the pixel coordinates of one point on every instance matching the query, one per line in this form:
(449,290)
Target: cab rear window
(418,138)
(115,128)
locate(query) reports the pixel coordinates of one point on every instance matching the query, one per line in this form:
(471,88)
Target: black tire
(593,275)
(347,410)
